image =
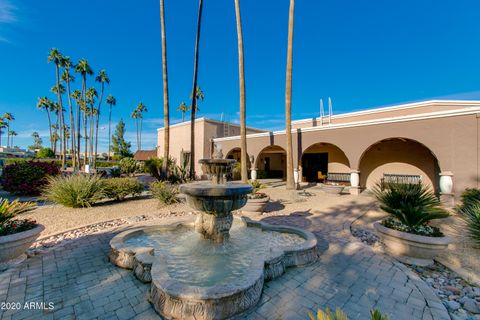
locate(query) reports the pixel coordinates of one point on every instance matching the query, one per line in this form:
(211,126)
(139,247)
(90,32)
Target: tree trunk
(241,80)
(96,126)
(92,124)
(166,116)
(109,125)
(50,128)
(72,125)
(194,95)
(85,139)
(136,128)
(140,135)
(288,99)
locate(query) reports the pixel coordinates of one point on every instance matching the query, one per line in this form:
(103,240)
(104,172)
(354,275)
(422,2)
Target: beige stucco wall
(337,161)
(398,157)
(454,140)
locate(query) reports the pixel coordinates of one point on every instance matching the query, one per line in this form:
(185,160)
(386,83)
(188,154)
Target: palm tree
(67,78)
(199,96)
(166,115)
(12,134)
(135,115)
(102,77)
(3,124)
(45,104)
(183,108)
(89,114)
(84,69)
(9,117)
(288,99)
(194,96)
(111,101)
(241,80)
(141,109)
(56,57)
(77,96)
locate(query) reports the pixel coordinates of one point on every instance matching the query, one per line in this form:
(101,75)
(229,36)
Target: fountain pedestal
(214,227)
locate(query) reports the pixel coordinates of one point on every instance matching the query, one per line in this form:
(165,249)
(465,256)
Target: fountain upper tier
(217,168)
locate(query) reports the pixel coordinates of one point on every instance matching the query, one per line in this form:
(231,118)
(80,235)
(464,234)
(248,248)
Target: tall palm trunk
(96,125)
(241,80)
(60,115)
(194,96)
(50,127)
(288,99)
(85,138)
(72,124)
(166,115)
(92,124)
(136,128)
(109,137)
(8,133)
(140,136)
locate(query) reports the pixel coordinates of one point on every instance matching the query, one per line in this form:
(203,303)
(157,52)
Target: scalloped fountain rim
(148,267)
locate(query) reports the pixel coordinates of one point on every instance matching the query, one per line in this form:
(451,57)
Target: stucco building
(436,142)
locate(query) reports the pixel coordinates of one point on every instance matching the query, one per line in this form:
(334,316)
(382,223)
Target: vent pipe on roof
(330,110)
(322,112)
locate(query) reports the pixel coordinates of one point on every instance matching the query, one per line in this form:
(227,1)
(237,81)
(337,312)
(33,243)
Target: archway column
(446,189)
(355,182)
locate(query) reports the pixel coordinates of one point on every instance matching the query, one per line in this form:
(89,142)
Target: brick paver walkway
(78,279)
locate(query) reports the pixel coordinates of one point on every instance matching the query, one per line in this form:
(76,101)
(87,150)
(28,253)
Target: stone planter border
(411,248)
(14,245)
(175,300)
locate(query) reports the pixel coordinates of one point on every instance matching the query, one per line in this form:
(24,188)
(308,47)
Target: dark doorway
(267,164)
(312,163)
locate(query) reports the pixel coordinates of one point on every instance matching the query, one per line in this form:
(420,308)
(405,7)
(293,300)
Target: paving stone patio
(82,284)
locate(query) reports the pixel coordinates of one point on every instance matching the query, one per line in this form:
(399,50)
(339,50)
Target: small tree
(37,141)
(120,147)
(45,153)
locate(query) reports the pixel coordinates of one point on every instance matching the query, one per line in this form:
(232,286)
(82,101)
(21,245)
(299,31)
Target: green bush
(76,191)
(128,166)
(119,188)
(411,204)
(375,314)
(164,192)
(471,214)
(256,185)
(469,197)
(154,166)
(45,153)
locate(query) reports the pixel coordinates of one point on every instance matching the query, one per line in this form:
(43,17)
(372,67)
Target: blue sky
(362,53)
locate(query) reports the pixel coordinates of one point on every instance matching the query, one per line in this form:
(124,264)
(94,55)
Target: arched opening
(271,163)
(403,159)
(320,159)
(235,154)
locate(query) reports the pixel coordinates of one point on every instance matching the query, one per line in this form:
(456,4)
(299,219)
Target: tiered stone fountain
(215,267)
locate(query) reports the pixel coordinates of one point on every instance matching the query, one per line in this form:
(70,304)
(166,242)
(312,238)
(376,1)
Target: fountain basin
(205,286)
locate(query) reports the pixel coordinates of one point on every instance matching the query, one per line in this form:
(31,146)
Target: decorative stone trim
(175,300)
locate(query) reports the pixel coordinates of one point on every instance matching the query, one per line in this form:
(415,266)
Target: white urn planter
(256,205)
(14,245)
(411,248)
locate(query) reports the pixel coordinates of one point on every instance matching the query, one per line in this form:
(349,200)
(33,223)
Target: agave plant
(328,315)
(411,204)
(8,210)
(471,214)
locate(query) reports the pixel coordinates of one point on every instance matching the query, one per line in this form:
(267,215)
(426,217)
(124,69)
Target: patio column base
(447,199)
(355,191)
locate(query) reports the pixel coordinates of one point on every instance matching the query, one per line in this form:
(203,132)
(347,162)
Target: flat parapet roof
(467,107)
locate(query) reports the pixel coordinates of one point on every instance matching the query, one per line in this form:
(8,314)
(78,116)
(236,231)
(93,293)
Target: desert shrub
(27,178)
(115,172)
(328,315)
(471,214)
(154,166)
(119,188)
(45,153)
(412,207)
(469,197)
(128,166)
(75,191)
(9,210)
(375,314)
(164,192)
(256,185)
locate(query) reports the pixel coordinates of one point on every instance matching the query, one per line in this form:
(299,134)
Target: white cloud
(8,12)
